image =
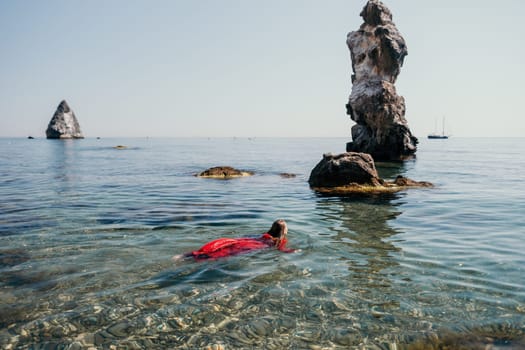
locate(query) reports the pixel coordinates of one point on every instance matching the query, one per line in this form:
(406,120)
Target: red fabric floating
(223,247)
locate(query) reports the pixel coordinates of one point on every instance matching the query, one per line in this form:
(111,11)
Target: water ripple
(87,234)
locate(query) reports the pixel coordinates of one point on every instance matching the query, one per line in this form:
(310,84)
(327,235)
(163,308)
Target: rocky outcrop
(354,173)
(64,124)
(377,51)
(224,172)
(343,169)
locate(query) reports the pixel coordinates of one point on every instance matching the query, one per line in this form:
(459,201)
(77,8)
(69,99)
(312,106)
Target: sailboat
(435,135)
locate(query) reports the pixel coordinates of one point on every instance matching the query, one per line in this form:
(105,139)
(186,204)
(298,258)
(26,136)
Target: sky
(246,68)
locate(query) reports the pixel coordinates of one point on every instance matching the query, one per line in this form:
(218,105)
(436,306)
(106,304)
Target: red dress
(231,246)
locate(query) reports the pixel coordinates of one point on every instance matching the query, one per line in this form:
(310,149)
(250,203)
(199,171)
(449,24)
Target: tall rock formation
(64,124)
(377,50)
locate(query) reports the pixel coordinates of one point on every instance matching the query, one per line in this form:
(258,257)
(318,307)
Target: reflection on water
(361,235)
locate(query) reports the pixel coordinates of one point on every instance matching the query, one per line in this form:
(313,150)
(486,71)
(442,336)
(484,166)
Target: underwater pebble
(177,322)
(253,309)
(226,322)
(237,305)
(58,332)
(416,313)
(65,297)
(261,327)
(344,337)
(239,336)
(75,346)
(315,347)
(308,335)
(119,330)
(86,338)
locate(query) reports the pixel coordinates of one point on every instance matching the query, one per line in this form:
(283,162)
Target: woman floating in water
(275,237)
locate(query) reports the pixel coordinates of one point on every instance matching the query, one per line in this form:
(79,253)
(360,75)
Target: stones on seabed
(377,50)
(64,124)
(224,172)
(354,173)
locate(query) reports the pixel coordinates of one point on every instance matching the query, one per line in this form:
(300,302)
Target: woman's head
(278,229)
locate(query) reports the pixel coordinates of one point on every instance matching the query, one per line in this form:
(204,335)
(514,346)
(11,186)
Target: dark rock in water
(64,124)
(406,182)
(287,175)
(354,173)
(30,138)
(377,50)
(343,169)
(224,172)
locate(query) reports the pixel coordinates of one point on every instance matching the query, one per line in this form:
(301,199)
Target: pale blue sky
(252,68)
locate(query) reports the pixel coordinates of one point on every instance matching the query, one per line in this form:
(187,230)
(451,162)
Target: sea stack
(377,50)
(64,124)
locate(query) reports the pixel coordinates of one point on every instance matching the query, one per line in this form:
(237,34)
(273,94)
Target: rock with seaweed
(64,124)
(377,50)
(224,172)
(353,173)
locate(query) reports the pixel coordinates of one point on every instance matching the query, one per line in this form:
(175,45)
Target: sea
(88,232)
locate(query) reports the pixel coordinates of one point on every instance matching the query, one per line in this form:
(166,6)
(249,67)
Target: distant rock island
(377,50)
(64,124)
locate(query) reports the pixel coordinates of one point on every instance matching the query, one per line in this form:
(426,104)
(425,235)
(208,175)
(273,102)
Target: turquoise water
(87,233)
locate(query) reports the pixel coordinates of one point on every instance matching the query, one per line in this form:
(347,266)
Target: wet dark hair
(279,229)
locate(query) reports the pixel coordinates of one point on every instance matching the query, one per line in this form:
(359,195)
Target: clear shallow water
(87,233)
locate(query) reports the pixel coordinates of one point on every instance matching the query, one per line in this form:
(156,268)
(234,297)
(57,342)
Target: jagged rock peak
(375,13)
(63,107)
(64,124)
(377,50)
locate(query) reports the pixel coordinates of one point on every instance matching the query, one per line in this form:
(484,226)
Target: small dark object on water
(120,147)
(287,175)
(406,182)
(224,172)
(30,137)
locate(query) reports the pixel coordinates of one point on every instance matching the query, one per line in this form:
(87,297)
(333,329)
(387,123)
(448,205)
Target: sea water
(87,233)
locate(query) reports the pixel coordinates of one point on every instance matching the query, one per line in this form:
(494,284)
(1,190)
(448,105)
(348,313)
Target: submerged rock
(377,50)
(64,124)
(354,173)
(224,172)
